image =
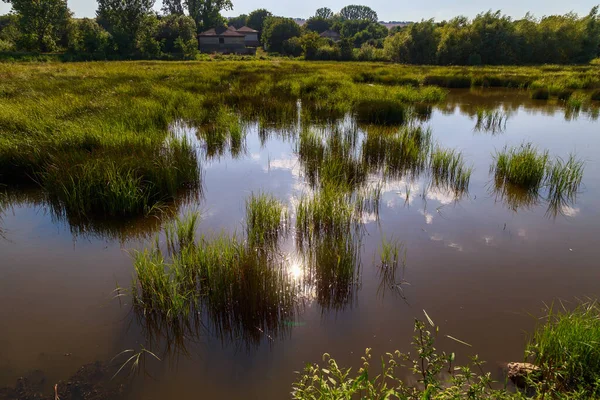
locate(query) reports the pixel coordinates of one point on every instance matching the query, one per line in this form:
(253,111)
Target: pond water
(481,268)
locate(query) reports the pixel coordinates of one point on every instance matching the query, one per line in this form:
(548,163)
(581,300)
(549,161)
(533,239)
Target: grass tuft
(522,166)
(565,347)
(266,218)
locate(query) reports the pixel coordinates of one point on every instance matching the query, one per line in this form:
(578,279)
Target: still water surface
(480,268)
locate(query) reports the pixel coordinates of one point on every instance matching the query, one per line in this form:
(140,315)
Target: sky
(388,10)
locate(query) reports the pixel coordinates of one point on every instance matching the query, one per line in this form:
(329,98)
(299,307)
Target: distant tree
(207,13)
(43,20)
(86,37)
(176,33)
(239,21)
(256,20)
(356,12)
(9,32)
(171,7)
(124,20)
(278,30)
(318,24)
(415,45)
(324,13)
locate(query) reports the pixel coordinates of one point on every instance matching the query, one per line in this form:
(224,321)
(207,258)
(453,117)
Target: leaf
(458,340)
(429,319)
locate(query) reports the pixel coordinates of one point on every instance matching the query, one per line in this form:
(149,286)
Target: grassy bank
(96,136)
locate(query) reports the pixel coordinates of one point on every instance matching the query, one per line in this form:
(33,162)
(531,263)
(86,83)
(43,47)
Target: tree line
(132,29)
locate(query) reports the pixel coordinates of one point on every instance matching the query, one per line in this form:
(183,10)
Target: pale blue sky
(388,10)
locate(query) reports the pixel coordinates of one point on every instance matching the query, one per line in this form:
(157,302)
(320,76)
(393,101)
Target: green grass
(449,170)
(398,152)
(381,112)
(328,212)
(266,220)
(565,347)
(70,126)
(493,121)
(244,293)
(522,166)
(563,179)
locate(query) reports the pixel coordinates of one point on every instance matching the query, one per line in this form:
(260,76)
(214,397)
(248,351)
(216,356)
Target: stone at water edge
(518,372)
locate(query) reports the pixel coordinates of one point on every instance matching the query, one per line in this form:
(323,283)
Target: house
(331,35)
(229,40)
(251,36)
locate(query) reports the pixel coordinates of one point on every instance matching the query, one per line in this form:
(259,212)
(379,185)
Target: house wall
(209,40)
(252,37)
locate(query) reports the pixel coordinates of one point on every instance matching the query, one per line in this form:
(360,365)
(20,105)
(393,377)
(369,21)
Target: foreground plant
(565,348)
(265,219)
(330,381)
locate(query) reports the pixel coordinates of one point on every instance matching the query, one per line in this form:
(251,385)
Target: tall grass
(266,220)
(244,293)
(449,170)
(565,347)
(396,153)
(381,112)
(493,121)
(522,166)
(328,213)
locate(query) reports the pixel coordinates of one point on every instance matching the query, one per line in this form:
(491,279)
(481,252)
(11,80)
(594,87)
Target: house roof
(330,34)
(221,33)
(246,29)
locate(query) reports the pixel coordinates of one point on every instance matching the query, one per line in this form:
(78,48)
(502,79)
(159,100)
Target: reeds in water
(522,166)
(381,112)
(449,170)
(266,220)
(492,121)
(563,180)
(244,293)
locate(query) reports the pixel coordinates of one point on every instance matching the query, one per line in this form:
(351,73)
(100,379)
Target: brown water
(478,267)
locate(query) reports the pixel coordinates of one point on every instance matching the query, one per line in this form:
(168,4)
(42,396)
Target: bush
(369,53)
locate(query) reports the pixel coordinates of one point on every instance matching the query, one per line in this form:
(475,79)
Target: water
(478,267)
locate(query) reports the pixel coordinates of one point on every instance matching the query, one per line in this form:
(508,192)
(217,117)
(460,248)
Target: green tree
(417,44)
(356,12)
(9,32)
(317,24)
(277,30)
(239,21)
(177,33)
(88,38)
(256,20)
(172,7)
(44,20)
(207,13)
(324,13)
(124,20)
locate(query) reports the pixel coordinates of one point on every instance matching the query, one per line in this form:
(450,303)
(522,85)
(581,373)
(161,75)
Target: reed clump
(266,220)
(493,121)
(565,348)
(449,170)
(522,166)
(244,293)
(381,112)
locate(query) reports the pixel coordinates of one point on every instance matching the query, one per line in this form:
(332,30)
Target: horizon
(514,9)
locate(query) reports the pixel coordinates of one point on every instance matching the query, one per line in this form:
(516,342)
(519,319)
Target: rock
(519,372)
